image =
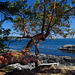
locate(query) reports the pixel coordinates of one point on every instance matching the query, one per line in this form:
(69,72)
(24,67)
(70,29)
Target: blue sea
(48,47)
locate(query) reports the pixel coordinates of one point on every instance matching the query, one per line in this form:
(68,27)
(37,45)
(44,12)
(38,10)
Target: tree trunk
(22,56)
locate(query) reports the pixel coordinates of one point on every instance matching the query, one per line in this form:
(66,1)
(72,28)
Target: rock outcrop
(46,59)
(62,60)
(68,48)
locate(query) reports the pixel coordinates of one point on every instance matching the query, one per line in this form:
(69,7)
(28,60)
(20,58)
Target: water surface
(47,47)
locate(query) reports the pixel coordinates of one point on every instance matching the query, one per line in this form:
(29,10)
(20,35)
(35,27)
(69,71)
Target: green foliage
(65,35)
(22,15)
(52,38)
(29,19)
(73,2)
(3,37)
(35,20)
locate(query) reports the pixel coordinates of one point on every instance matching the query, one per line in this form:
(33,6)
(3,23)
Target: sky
(8,24)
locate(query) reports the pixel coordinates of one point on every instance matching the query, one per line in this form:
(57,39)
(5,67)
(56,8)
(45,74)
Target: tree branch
(61,14)
(50,20)
(69,10)
(44,17)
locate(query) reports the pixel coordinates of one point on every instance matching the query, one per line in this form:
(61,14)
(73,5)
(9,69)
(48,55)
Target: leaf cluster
(3,37)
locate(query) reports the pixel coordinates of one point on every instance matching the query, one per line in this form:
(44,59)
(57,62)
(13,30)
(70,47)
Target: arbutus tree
(48,18)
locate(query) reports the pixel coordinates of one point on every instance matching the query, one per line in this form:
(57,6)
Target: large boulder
(69,48)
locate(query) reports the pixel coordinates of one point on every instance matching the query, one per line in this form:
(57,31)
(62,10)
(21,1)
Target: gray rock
(32,53)
(52,58)
(69,48)
(10,50)
(6,51)
(42,57)
(43,61)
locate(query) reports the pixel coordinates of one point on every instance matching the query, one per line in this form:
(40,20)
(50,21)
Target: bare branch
(44,17)
(69,10)
(50,20)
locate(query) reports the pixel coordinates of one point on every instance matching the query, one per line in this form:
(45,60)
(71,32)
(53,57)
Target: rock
(32,53)
(64,60)
(43,61)
(6,51)
(69,48)
(52,59)
(50,56)
(10,50)
(42,57)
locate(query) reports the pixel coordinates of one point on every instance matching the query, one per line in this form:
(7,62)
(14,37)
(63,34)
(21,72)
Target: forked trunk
(20,57)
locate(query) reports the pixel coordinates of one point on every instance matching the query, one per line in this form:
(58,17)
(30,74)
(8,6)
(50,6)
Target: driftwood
(50,64)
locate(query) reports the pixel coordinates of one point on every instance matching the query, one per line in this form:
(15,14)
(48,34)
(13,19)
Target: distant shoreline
(14,37)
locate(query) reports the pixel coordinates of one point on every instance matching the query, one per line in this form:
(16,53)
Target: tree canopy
(30,19)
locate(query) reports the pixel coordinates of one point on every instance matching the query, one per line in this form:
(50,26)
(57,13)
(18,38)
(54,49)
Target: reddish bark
(23,27)
(43,26)
(50,20)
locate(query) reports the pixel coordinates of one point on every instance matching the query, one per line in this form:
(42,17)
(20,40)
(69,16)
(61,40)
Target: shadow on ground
(42,71)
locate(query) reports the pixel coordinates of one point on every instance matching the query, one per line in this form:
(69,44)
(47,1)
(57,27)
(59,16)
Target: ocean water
(48,47)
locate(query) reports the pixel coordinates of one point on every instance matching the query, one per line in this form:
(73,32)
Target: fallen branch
(50,64)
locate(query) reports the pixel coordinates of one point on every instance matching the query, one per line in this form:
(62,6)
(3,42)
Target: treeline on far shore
(9,37)
(13,37)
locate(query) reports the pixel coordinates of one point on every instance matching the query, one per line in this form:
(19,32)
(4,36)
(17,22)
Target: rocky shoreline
(64,61)
(45,59)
